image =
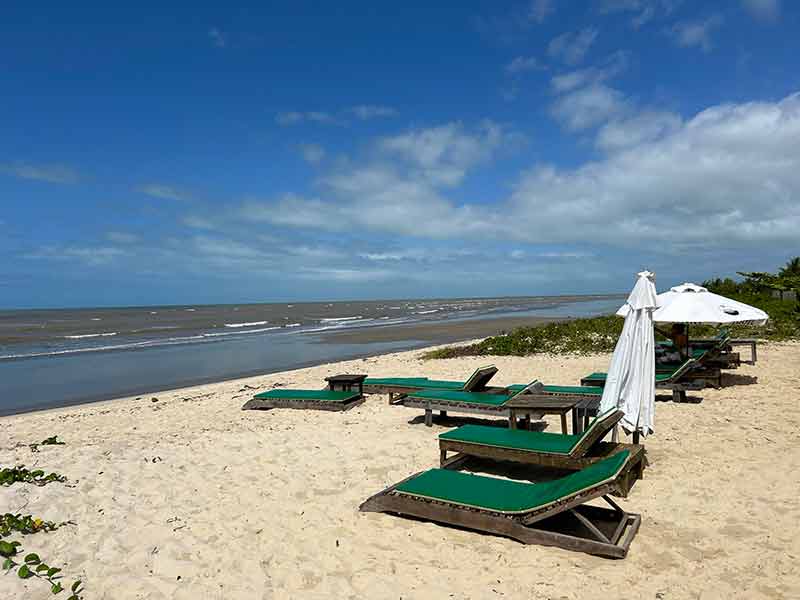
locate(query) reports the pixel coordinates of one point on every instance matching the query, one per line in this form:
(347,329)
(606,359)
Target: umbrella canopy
(630,383)
(691,303)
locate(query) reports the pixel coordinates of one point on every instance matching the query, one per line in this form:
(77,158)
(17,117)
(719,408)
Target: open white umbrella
(630,383)
(691,303)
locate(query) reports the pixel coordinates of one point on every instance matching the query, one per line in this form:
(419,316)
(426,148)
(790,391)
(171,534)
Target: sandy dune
(190,497)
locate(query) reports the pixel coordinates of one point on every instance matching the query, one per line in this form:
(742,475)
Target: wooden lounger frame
(268,403)
(569,524)
(599,451)
(695,381)
(482,376)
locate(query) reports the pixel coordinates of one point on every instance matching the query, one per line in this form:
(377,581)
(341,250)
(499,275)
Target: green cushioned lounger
(477,398)
(401,385)
(305,399)
(551,513)
(600,378)
(538,447)
(558,390)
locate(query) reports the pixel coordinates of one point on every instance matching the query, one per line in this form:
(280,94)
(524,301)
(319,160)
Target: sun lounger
(403,385)
(688,376)
(305,399)
(484,403)
(532,398)
(551,513)
(554,450)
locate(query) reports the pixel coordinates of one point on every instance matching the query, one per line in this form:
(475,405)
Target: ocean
(60,357)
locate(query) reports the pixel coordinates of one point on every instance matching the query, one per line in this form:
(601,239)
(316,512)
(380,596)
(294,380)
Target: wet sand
(436,333)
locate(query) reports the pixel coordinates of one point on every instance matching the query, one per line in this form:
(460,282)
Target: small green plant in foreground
(31,565)
(19,474)
(26,525)
(51,441)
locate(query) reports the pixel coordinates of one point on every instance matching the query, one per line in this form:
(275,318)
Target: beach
(181,494)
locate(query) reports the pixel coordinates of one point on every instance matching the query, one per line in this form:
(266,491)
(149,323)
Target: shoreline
(413,337)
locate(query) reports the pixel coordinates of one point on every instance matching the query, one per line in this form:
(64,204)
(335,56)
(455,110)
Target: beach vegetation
(51,441)
(600,334)
(31,565)
(19,474)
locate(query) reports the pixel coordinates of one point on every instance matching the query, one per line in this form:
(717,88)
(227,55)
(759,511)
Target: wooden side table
(346,382)
(526,405)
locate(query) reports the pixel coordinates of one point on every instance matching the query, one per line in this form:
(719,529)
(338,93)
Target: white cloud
(312,153)
(589,106)
(445,153)
(695,33)
(89,256)
(645,126)
(164,192)
(370,111)
(48,173)
(727,177)
(296,117)
(541,9)
(196,222)
(609,68)
(217,38)
(571,47)
(122,237)
(645,10)
(764,10)
(524,63)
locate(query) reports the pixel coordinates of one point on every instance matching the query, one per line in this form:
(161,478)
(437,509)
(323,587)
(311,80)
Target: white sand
(190,497)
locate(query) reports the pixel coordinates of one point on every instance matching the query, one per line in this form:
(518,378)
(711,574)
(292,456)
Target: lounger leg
(391,397)
(428,417)
(564,423)
(575,420)
(679,395)
(442,457)
(443,413)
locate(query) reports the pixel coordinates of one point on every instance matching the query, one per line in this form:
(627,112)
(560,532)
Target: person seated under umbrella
(679,352)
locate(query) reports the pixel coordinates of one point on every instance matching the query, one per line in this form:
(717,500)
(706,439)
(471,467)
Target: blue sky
(170,153)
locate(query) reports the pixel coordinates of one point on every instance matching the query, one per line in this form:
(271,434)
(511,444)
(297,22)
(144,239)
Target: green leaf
(41,567)
(33,559)
(76,585)
(52,571)
(37,473)
(7,549)
(24,572)
(57,588)
(7,564)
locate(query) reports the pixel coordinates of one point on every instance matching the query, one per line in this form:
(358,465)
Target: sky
(169,153)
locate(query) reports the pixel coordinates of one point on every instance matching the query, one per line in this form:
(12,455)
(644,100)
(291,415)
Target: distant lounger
(403,385)
(305,399)
(540,448)
(551,513)
(516,400)
(688,376)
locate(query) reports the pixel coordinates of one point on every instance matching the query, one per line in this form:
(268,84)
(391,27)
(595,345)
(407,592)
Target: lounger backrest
(597,430)
(686,367)
(478,380)
(534,387)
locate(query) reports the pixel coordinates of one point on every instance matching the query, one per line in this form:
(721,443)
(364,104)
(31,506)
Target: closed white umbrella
(691,303)
(630,383)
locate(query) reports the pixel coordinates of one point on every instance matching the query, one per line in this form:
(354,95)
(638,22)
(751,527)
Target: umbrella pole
(636,437)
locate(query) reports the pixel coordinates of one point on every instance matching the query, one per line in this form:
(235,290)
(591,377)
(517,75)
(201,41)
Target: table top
(346,378)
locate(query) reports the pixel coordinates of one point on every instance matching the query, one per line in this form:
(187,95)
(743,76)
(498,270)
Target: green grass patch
(600,334)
